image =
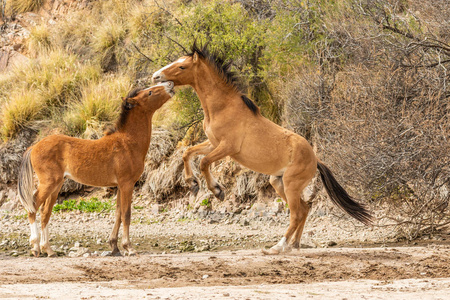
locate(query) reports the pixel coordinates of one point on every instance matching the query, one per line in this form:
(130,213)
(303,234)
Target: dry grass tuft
(40,40)
(99,105)
(22,108)
(167,180)
(22,6)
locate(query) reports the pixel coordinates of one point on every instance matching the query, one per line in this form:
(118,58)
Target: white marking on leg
(282,246)
(44,240)
(34,236)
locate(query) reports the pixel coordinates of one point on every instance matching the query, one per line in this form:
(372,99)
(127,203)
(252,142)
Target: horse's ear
(129,103)
(195,57)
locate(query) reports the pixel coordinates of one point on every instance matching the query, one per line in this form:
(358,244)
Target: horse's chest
(211,136)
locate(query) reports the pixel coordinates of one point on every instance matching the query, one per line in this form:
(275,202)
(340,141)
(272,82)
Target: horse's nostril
(156,77)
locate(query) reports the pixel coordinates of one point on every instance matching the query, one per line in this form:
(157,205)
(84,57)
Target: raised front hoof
(194,185)
(219,193)
(194,188)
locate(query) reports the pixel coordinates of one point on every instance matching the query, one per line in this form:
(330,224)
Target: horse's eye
(150,93)
(182,68)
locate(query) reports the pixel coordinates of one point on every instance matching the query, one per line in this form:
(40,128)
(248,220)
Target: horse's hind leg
(46,211)
(277,184)
(115,233)
(202,148)
(307,197)
(34,232)
(293,186)
(40,197)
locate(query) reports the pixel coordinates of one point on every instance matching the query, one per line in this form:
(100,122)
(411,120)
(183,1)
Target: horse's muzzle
(158,77)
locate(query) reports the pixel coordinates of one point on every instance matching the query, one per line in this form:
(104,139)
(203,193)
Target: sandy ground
(331,273)
(187,257)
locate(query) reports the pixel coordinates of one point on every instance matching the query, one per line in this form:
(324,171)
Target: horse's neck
(138,128)
(214,93)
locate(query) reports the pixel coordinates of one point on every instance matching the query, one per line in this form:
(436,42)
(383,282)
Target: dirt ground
(185,257)
(337,273)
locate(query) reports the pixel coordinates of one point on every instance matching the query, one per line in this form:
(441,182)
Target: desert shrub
(378,115)
(170,30)
(189,113)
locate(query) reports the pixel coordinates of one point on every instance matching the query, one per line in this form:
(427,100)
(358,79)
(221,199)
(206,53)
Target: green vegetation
(91,205)
(206,202)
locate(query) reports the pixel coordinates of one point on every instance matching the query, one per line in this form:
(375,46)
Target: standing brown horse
(236,128)
(117,159)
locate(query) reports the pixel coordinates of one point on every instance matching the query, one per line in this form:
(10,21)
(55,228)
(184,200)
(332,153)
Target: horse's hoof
(219,193)
(35,253)
(116,253)
(52,254)
(132,253)
(194,189)
(270,251)
(194,186)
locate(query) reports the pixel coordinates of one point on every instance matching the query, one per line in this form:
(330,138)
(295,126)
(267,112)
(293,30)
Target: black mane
(223,67)
(124,112)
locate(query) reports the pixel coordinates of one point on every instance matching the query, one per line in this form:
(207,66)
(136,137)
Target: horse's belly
(275,166)
(91,179)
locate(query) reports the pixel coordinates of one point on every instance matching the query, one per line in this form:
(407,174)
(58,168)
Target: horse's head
(150,98)
(181,71)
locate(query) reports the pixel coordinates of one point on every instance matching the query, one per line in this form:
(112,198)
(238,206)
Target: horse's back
(90,162)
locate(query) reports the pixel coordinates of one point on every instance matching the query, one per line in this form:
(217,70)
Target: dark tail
(25,183)
(340,197)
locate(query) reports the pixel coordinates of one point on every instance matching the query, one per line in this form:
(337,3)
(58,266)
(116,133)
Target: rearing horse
(236,128)
(117,159)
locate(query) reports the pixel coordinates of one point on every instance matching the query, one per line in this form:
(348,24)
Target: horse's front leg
(223,150)
(115,233)
(200,149)
(125,209)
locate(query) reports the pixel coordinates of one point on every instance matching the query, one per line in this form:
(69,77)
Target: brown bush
(382,118)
